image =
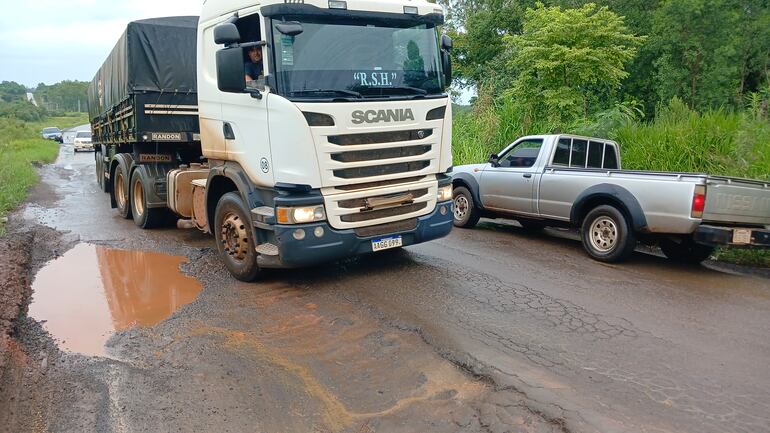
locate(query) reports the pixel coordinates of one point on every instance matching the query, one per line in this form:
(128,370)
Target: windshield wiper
(337,91)
(416,90)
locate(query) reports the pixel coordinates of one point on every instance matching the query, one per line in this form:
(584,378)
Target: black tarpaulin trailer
(146,90)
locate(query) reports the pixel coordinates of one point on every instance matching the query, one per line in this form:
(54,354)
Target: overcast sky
(53,40)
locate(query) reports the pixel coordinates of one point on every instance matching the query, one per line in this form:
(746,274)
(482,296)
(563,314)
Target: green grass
(20,146)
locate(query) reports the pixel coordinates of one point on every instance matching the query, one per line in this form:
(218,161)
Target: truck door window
(523,155)
(610,158)
(579,153)
(595,154)
(561,157)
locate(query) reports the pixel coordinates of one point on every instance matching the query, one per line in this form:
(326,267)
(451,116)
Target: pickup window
(522,155)
(579,153)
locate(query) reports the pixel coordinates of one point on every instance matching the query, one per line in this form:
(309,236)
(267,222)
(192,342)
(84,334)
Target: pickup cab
(577,182)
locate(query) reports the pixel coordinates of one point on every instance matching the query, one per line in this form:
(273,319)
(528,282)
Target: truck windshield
(345,58)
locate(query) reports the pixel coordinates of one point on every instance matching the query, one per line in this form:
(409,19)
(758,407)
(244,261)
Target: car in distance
(572,181)
(83,141)
(52,133)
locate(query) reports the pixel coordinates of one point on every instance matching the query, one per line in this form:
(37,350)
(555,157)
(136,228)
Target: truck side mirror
(231,72)
(226,34)
(446,64)
(446,43)
(446,60)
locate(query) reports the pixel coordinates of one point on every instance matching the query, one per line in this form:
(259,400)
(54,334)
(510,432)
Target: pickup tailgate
(738,201)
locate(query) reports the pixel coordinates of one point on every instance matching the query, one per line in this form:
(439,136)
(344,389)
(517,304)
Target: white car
(83,141)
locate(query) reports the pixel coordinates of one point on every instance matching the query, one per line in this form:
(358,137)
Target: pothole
(91,292)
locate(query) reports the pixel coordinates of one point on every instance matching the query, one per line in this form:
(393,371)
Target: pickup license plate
(742,236)
(387,243)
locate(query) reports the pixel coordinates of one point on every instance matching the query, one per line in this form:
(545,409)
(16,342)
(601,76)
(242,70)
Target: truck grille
(380,206)
(373,155)
(381,170)
(386,229)
(380,137)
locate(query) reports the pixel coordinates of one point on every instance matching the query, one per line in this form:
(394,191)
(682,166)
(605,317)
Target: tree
(64,96)
(570,62)
(12,91)
(698,43)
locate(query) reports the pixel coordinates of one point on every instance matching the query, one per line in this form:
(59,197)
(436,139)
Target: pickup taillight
(698,201)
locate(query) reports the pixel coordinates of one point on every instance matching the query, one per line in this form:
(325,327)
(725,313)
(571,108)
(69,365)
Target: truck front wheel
(466,215)
(685,250)
(235,237)
(607,235)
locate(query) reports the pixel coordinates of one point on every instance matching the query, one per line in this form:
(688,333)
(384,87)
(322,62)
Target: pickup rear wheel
(466,214)
(607,235)
(235,237)
(685,250)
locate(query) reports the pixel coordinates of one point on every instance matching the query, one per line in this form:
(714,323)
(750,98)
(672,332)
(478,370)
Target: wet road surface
(492,329)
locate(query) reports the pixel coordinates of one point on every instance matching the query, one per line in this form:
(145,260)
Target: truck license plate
(741,236)
(387,243)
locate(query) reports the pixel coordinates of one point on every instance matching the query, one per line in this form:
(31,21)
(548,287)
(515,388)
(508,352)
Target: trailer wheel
(100,179)
(120,189)
(144,217)
(607,235)
(235,237)
(466,215)
(685,250)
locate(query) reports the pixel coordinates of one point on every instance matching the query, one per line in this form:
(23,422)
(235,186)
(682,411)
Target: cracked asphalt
(488,330)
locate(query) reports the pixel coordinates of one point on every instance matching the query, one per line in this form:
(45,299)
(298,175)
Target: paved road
(492,329)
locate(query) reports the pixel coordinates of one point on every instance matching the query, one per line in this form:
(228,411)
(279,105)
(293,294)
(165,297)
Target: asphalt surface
(492,329)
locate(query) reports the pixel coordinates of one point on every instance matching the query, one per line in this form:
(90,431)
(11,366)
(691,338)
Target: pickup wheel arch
(468,181)
(608,194)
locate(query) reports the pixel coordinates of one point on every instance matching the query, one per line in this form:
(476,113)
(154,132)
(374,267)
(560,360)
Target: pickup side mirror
(494,160)
(231,72)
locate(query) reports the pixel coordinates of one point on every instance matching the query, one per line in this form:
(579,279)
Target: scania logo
(376,116)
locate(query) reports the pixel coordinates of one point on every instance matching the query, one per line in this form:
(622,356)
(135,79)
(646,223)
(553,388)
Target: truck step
(267,249)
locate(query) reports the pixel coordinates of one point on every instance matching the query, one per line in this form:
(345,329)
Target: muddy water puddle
(91,292)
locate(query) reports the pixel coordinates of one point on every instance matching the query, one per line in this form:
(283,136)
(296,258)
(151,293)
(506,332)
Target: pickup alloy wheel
(466,214)
(607,235)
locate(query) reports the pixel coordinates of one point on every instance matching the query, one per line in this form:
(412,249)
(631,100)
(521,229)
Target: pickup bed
(572,181)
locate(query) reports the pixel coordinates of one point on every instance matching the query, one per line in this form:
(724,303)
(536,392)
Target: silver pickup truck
(571,181)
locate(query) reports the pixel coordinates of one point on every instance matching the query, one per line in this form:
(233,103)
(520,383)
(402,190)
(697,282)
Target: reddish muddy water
(91,292)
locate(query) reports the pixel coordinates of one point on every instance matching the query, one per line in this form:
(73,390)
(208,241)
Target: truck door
(244,116)
(510,184)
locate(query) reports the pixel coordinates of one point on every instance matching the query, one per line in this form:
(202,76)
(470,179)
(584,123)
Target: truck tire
(466,214)
(685,250)
(100,179)
(235,237)
(144,217)
(120,188)
(607,235)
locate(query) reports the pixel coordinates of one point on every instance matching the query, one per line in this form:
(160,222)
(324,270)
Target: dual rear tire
(130,192)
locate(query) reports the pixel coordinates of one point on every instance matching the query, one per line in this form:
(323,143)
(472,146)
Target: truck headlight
(300,215)
(445,193)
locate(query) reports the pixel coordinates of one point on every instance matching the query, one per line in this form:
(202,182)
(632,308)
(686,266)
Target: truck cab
(343,145)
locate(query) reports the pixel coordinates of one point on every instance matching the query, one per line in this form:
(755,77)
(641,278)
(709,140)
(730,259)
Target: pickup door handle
(527,175)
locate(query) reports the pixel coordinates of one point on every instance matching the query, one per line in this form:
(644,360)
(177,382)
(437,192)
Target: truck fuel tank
(180,188)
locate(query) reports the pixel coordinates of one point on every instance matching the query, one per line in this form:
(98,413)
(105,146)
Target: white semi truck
(341,147)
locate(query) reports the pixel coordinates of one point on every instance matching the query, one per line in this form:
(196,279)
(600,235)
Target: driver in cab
(253,66)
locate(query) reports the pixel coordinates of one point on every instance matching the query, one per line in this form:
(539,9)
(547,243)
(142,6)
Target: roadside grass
(21,147)
(679,139)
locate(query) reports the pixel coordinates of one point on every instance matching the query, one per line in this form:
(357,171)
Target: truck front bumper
(732,236)
(337,244)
